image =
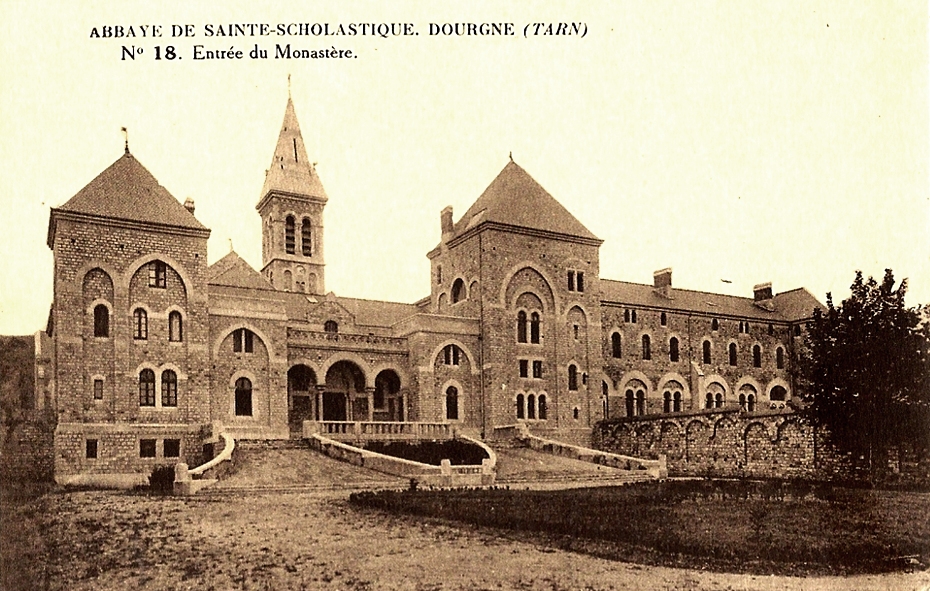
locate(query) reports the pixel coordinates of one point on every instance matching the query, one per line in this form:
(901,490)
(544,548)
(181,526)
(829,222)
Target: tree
(866,369)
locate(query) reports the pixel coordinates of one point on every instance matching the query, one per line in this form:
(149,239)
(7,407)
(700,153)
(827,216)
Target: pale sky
(747,141)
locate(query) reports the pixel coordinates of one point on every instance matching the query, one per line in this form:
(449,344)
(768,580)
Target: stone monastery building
(148,344)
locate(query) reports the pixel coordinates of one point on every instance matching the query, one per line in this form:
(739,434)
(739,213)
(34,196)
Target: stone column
(370,393)
(318,407)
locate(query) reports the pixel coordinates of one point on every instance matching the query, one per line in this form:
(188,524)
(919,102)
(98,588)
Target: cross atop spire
(125,139)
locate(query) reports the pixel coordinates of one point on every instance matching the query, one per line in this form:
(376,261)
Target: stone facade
(149,343)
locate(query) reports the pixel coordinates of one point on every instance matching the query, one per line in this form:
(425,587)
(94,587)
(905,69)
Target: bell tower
(291,208)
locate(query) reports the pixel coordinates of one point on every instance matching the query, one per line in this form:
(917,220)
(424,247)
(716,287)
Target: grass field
(105,540)
(725,525)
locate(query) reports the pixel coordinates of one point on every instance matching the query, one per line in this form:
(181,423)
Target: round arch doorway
(345,396)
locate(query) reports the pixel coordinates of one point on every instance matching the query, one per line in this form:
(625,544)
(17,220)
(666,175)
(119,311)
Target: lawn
(748,527)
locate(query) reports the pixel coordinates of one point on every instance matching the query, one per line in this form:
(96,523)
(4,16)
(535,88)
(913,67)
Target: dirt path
(100,540)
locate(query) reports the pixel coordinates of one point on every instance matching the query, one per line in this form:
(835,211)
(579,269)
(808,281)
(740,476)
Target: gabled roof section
(291,172)
(126,190)
(514,198)
(789,306)
(797,304)
(233,271)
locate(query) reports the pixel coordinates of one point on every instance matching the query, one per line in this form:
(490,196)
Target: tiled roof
(233,271)
(794,305)
(291,171)
(365,312)
(127,190)
(514,198)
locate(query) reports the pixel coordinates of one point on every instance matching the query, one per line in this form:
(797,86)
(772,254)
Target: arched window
(706,347)
(452,403)
(169,388)
(626,315)
(451,355)
(742,402)
(718,401)
(630,403)
(521,326)
(663,319)
(289,238)
(732,351)
(572,377)
(331,326)
(647,347)
(531,407)
(673,349)
(714,324)
(146,387)
(751,402)
(288,281)
(101,321)
(175,327)
(543,411)
(677,402)
(458,290)
(780,358)
(756,356)
(243,397)
(140,324)
(243,341)
(534,328)
(306,238)
(633,316)
(640,403)
(667,402)
(616,348)
(709,402)
(778,393)
(520,407)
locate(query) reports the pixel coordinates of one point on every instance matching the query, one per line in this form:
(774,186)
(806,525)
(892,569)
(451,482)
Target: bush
(162,479)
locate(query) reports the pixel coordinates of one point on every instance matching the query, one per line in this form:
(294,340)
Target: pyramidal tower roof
(514,198)
(291,172)
(127,190)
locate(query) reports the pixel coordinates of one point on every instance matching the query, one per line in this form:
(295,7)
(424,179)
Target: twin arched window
(672,401)
(635,403)
(528,326)
(169,388)
(451,355)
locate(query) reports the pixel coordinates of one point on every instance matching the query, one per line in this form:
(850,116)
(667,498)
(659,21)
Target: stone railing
(184,484)
(655,468)
(444,475)
(379,431)
(312,338)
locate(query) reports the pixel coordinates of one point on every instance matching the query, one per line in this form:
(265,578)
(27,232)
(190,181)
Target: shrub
(162,479)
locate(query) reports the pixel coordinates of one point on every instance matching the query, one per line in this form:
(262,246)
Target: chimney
(762,292)
(189,205)
(445,219)
(662,282)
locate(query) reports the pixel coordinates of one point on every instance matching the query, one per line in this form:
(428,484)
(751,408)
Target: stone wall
(27,453)
(731,444)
